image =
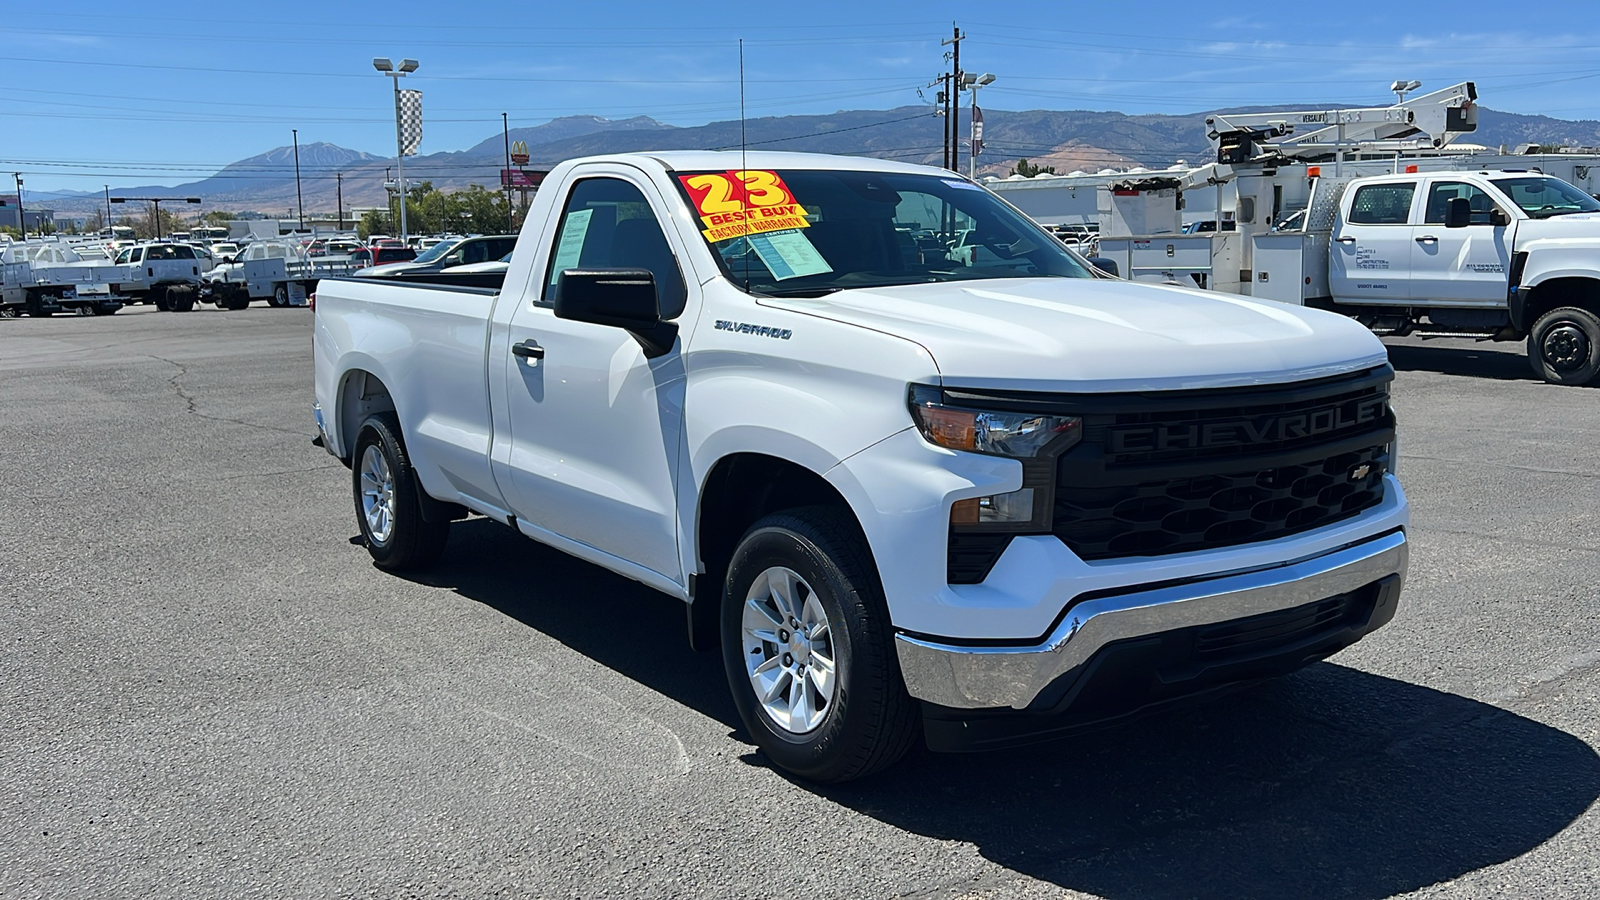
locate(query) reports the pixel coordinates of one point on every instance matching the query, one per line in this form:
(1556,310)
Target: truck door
(1370,258)
(1458,266)
(595,426)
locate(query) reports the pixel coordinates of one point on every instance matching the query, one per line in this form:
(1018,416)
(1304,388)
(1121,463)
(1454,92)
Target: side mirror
(1108,266)
(1457,212)
(620,298)
(1498,218)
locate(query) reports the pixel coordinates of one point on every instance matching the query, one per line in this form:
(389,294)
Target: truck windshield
(800,232)
(436,251)
(1542,197)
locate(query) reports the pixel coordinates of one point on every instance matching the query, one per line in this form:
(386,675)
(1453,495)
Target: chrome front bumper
(977,677)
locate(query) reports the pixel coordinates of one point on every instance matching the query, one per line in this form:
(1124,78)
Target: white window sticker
(963,185)
(789,254)
(570,248)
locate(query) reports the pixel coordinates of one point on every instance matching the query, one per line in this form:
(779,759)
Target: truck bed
(426,345)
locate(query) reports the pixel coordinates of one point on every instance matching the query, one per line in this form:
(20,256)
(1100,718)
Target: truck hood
(1576,225)
(1072,334)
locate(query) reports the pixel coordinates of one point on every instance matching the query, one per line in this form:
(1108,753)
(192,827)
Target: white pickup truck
(162,273)
(1507,255)
(988,496)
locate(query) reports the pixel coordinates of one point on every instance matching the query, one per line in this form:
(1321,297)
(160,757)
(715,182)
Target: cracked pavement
(207,691)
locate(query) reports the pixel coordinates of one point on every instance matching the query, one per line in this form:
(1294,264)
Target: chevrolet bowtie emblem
(1361,471)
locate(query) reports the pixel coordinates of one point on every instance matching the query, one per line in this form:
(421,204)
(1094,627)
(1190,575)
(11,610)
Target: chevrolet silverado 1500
(913,466)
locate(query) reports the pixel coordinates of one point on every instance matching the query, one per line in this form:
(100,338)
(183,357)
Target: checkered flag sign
(410,122)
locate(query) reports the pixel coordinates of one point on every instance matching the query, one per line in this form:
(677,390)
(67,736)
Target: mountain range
(1068,140)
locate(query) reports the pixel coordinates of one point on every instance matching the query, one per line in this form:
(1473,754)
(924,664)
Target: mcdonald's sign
(519,153)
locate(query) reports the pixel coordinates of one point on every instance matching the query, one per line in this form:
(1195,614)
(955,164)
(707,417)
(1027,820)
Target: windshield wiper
(798,291)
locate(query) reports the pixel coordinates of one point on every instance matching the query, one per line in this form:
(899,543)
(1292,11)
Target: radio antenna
(744,165)
(741,103)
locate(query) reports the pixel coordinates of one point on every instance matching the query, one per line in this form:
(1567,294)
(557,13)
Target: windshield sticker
(963,185)
(741,203)
(788,254)
(570,248)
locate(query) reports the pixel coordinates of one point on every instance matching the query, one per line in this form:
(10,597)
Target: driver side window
(608,224)
(1442,192)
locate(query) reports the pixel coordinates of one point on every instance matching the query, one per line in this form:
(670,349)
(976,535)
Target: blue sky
(105,93)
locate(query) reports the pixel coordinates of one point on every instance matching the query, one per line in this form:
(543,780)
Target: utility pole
(22,221)
(952,101)
(505,129)
(299,197)
(339,194)
(108,212)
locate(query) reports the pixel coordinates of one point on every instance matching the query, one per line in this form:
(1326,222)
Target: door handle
(1426,238)
(528,349)
(1346,240)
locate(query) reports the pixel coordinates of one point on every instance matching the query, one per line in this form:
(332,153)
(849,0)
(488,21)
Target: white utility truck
(1493,255)
(162,273)
(280,272)
(911,463)
(44,278)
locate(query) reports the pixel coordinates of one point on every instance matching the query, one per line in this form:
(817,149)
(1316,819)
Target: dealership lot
(208,691)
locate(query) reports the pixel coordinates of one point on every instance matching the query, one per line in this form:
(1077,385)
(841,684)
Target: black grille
(1171,473)
(1203,511)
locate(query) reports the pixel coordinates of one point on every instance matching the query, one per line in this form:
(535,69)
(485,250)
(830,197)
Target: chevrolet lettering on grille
(1243,432)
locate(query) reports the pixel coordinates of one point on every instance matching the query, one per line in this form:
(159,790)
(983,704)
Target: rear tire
(1564,346)
(181,299)
(388,505)
(808,651)
(280,297)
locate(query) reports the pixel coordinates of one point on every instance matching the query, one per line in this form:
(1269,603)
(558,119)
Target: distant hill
(1067,139)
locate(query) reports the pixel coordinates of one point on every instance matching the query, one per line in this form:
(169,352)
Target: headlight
(1020,435)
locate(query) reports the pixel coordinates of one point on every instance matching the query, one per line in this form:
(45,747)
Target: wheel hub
(1566,347)
(788,650)
(377,494)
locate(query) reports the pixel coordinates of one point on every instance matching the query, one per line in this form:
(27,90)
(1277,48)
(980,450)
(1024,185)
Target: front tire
(808,650)
(1564,346)
(388,505)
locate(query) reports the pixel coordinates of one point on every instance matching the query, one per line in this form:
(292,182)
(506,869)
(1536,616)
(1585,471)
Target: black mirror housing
(620,298)
(1457,212)
(1108,266)
(1498,218)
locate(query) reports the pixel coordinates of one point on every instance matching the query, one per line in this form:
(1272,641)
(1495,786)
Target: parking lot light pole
(407,66)
(156,202)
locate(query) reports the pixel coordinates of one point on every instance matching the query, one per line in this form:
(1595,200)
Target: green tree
(1028,170)
(373,221)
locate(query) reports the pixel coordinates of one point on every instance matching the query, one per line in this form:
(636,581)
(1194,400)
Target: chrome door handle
(1346,240)
(1426,238)
(528,349)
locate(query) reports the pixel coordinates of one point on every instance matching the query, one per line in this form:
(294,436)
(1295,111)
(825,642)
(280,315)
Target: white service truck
(1492,255)
(280,272)
(903,485)
(161,273)
(47,277)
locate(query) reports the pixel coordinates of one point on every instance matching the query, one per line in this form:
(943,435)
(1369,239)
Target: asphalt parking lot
(207,691)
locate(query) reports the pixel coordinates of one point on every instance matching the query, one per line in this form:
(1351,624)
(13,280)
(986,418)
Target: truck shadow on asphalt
(1500,361)
(1331,783)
